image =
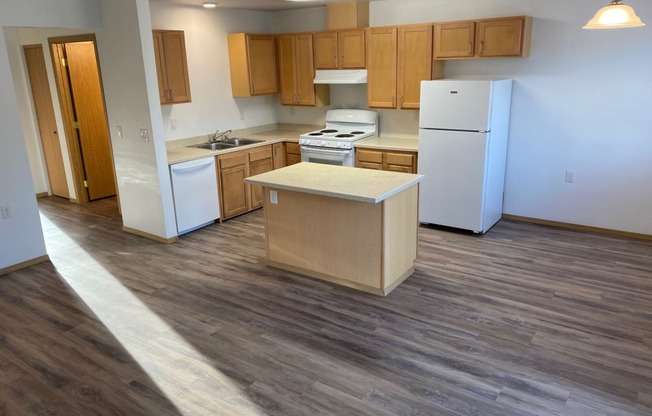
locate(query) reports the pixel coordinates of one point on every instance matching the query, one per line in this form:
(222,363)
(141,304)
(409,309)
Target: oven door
(337,157)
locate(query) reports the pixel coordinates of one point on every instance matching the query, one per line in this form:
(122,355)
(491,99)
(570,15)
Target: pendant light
(614,16)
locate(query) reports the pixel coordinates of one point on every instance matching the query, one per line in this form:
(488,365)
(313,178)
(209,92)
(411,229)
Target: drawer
(398,168)
(402,159)
(367,165)
(293,148)
(232,159)
(369,156)
(263,152)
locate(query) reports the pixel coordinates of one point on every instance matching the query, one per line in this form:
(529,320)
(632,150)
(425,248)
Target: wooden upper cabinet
(347,14)
(381,67)
(297,72)
(252,60)
(454,40)
(171,66)
(414,63)
(507,37)
(340,50)
(485,38)
(398,59)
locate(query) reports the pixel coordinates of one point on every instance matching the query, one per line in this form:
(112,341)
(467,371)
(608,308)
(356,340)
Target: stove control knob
(302,141)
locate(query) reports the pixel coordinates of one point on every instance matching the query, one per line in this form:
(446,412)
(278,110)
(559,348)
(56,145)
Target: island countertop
(364,185)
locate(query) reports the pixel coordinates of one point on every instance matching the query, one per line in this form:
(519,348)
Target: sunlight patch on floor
(181,373)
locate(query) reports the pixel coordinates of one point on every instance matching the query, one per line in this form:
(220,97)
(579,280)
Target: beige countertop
(364,185)
(402,143)
(177,150)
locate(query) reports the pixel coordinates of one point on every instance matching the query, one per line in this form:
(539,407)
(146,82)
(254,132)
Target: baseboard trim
(150,236)
(24,264)
(42,194)
(578,227)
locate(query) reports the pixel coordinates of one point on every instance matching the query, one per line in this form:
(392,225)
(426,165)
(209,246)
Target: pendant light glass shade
(614,16)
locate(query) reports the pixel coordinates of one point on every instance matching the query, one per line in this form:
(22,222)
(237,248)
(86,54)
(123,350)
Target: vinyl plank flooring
(525,320)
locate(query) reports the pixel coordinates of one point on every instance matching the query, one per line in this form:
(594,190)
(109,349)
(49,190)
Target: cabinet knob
(470,48)
(481,47)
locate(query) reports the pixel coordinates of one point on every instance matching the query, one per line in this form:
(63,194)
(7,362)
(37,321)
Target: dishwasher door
(196,200)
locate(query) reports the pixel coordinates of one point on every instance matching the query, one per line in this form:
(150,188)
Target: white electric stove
(333,144)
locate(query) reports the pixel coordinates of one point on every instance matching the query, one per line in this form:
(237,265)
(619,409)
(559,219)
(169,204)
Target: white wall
(126,53)
(213,106)
(22,236)
(581,102)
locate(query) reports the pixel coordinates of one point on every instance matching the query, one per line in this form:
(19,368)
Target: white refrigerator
(463,129)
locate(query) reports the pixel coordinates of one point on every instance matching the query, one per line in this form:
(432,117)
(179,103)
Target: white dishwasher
(196,201)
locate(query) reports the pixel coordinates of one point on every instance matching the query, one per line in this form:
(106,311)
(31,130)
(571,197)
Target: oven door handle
(330,152)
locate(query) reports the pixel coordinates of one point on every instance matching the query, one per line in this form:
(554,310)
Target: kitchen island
(354,227)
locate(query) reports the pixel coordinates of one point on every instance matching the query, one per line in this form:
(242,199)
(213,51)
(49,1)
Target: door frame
(68,115)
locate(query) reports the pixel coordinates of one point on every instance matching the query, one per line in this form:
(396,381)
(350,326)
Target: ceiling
(251,4)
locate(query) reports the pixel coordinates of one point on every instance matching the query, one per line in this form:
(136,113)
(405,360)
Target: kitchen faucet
(217,135)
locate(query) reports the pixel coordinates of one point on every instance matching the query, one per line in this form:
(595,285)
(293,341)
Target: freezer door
(454,165)
(455,105)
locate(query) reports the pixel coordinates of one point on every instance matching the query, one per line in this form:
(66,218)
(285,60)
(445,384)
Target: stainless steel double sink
(226,144)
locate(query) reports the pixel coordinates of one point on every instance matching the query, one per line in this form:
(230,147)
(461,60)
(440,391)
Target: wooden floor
(525,320)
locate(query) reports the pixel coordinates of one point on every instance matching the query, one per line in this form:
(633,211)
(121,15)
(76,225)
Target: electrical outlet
(120,134)
(6,212)
(273,197)
(173,123)
(570,176)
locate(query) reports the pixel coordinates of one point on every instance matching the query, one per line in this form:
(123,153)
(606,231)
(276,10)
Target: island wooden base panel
(321,276)
(525,320)
(370,246)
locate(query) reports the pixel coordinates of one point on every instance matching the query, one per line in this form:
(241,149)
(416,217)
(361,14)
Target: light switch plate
(273,197)
(144,134)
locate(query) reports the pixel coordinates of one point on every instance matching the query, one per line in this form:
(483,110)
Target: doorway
(79,84)
(47,125)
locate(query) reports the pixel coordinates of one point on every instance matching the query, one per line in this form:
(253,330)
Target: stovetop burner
(344,135)
(357,132)
(328,131)
(316,134)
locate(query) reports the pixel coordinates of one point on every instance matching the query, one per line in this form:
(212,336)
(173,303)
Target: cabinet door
(454,40)
(159,56)
(262,64)
(305,70)
(500,37)
(414,63)
(293,159)
(351,48)
(292,153)
(381,67)
(256,168)
(171,66)
(287,68)
(278,155)
(232,170)
(325,50)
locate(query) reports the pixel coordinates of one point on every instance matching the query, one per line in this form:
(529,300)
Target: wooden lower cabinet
(396,161)
(236,197)
(292,153)
(278,155)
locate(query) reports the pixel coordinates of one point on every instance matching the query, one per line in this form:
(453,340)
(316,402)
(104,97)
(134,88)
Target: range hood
(341,76)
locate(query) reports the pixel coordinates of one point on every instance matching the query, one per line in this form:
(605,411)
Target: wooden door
(454,40)
(414,63)
(305,70)
(500,37)
(278,155)
(287,68)
(351,48)
(381,67)
(325,50)
(232,169)
(262,64)
(176,66)
(93,131)
(159,56)
(38,79)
